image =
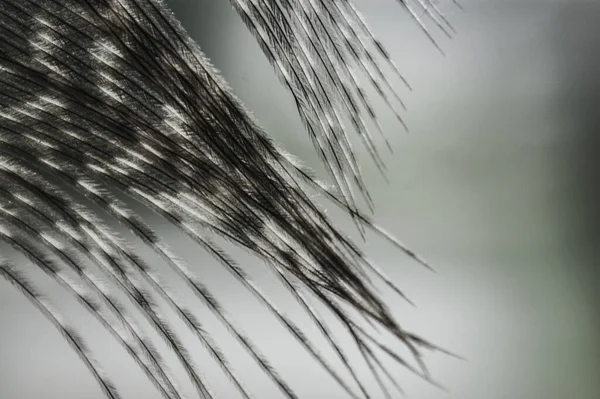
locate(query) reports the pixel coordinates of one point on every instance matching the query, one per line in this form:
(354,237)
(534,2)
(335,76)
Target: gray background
(496,185)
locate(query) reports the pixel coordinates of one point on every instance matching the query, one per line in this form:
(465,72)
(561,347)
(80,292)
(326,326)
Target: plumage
(101,95)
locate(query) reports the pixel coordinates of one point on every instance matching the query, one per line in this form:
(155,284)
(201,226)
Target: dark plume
(105,95)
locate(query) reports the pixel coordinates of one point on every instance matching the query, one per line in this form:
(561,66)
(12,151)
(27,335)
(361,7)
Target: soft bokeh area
(496,184)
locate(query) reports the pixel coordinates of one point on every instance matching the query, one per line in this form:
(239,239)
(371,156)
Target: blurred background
(496,184)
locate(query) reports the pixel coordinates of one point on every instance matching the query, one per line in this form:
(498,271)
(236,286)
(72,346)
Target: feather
(16,278)
(105,96)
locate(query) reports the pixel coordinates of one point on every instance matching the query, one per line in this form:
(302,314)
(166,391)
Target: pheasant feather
(105,95)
